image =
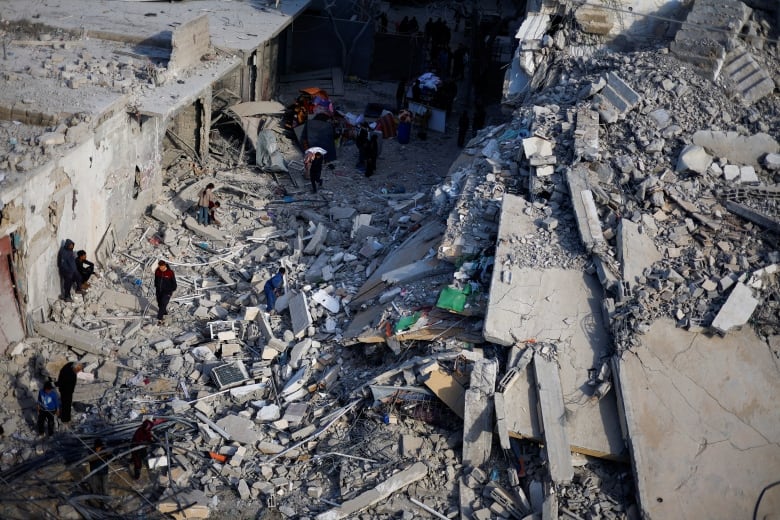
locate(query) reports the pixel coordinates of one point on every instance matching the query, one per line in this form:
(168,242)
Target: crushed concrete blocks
(586,135)
(636,251)
(693,158)
(615,99)
(585,209)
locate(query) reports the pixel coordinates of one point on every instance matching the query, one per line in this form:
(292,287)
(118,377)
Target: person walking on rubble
(48,408)
(164,286)
(371,155)
(315,172)
(66,382)
(273,288)
(69,275)
(142,437)
(206,198)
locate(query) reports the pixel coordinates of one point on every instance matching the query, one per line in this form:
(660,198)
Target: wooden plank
(448,389)
(553,419)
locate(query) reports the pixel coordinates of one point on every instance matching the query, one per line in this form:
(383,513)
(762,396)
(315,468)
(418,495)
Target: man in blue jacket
(48,407)
(272,288)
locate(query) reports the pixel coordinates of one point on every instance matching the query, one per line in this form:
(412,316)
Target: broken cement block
(326,300)
(239,428)
(383,490)
(295,413)
(207,232)
(737,310)
(243,490)
(298,352)
(693,158)
(77,339)
(164,214)
(636,251)
(317,240)
(594,19)
(410,446)
(299,314)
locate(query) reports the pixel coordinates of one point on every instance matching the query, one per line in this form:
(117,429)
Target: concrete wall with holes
(106,181)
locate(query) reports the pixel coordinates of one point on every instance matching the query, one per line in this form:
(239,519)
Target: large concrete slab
(703,423)
(561,307)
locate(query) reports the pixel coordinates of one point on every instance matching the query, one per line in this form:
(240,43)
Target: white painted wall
(101,172)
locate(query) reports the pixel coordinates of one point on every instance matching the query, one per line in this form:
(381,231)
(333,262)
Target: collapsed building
(580,320)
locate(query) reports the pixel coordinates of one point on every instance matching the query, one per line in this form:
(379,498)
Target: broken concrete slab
(111,299)
(695,405)
(207,232)
(582,201)
(326,300)
(478,413)
(738,149)
(416,270)
(77,339)
(636,251)
(165,214)
(398,481)
(299,314)
(737,310)
(552,412)
(693,158)
(586,136)
(239,428)
(552,305)
(317,240)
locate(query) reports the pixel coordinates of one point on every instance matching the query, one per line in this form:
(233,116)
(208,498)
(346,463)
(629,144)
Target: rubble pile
(632,167)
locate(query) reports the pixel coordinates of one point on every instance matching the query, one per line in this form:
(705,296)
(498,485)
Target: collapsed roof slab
(558,306)
(240,26)
(703,422)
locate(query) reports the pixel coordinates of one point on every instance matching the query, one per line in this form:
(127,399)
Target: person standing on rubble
(273,288)
(361,141)
(164,286)
(142,437)
(66,382)
(371,155)
(315,172)
(98,466)
(69,275)
(48,408)
(206,198)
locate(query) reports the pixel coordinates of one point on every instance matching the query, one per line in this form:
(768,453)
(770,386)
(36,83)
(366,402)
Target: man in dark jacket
(142,437)
(85,268)
(66,382)
(164,286)
(66,264)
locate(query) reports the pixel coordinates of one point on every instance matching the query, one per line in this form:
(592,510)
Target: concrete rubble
(474,346)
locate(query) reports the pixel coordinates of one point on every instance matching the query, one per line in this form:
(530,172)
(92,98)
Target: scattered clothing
(164,286)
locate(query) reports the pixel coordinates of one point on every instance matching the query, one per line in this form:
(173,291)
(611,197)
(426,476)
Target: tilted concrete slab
(111,299)
(703,422)
(79,340)
(562,307)
(636,251)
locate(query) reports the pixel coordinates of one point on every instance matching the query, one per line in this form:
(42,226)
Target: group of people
(51,405)
(207,206)
(75,270)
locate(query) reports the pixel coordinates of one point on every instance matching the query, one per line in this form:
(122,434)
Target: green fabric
(453,299)
(406,322)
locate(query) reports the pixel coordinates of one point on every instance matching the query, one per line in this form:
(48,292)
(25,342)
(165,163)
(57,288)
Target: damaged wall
(78,196)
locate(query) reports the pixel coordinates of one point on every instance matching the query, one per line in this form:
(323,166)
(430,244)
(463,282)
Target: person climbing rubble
(273,288)
(142,437)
